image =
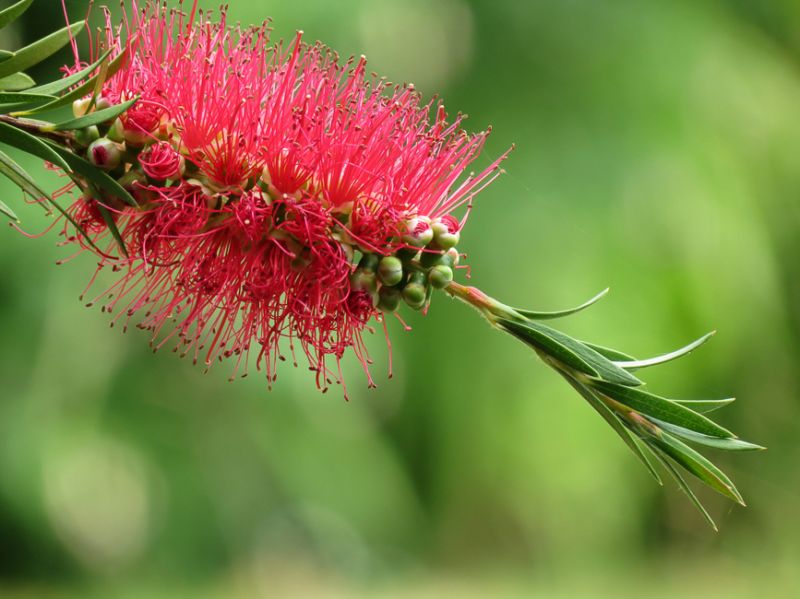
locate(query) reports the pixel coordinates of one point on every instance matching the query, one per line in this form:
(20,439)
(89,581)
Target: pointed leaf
(634,364)
(112,227)
(704,405)
(93,118)
(8,211)
(32,145)
(56,87)
(93,174)
(13,12)
(9,97)
(627,436)
(39,50)
(697,465)
(708,441)
(22,179)
(534,315)
(654,406)
(612,354)
(568,351)
(684,486)
(16,82)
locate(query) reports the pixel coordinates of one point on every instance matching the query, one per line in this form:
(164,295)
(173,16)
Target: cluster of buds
(425,262)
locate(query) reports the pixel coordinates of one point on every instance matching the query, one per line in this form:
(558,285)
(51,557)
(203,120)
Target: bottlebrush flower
(266,170)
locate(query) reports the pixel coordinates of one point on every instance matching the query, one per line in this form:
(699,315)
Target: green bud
(428,259)
(116,132)
(440,276)
(364,280)
(369,262)
(390,270)
(417,232)
(102,104)
(453,257)
(104,154)
(86,136)
(415,292)
(389,299)
(79,107)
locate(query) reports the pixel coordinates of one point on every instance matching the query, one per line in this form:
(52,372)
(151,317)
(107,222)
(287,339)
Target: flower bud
(415,293)
(160,162)
(453,256)
(104,154)
(390,270)
(364,280)
(80,107)
(86,136)
(116,132)
(102,104)
(389,299)
(445,234)
(440,276)
(417,232)
(369,262)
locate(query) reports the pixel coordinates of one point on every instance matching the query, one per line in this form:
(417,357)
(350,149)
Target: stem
(35,127)
(489,307)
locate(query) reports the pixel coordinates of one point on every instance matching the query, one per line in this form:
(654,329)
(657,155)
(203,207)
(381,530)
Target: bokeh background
(658,152)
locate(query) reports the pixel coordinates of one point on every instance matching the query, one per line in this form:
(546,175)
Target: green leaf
(13,12)
(83,89)
(60,85)
(650,405)
(612,354)
(635,364)
(684,486)
(709,441)
(112,227)
(568,351)
(697,465)
(98,177)
(5,55)
(24,181)
(705,405)
(39,50)
(627,436)
(534,315)
(32,145)
(16,82)
(8,211)
(93,118)
(8,97)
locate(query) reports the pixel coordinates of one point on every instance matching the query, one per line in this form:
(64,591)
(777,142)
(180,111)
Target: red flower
(294,161)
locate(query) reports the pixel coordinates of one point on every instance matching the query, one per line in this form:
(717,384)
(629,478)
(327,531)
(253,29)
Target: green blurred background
(658,152)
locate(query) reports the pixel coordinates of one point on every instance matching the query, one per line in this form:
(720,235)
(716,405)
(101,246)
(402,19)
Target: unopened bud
(102,104)
(369,262)
(364,280)
(444,236)
(104,154)
(453,256)
(80,107)
(86,136)
(389,299)
(116,132)
(390,270)
(417,232)
(415,292)
(440,276)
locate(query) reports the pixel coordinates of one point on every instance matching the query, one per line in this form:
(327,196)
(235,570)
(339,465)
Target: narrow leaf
(13,12)
(112,227)
(39,50)
(22,179)
(612,354)
(82,90)
(627,436)
(93,118)
(708,441)
(8,211)
(56,87)
(654,406)
(632,364)
(569,351)
(705,405)
(697,465)
(684,486)
(535,315)
(93,174)
(16,82)
(32,145)
(10,97)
